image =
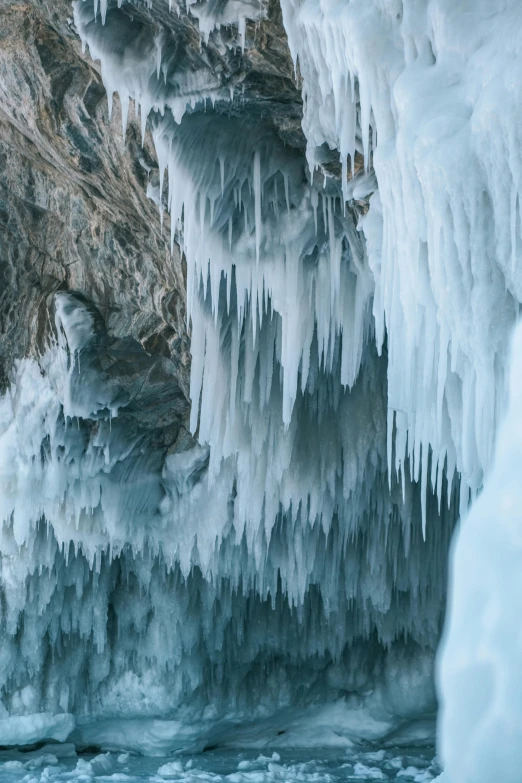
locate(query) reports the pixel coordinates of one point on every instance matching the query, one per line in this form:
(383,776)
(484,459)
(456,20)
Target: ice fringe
(426,82)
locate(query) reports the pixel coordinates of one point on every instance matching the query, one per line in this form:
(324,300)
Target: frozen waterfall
(274,571)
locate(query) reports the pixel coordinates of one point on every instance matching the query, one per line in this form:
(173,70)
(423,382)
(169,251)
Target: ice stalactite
(149,66)
(426,81)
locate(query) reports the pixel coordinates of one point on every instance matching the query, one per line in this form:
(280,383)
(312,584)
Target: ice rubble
(361,766)
(280,562)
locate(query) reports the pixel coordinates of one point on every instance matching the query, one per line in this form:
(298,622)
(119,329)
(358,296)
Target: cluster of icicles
(129,587)
(430,277)
(347,375)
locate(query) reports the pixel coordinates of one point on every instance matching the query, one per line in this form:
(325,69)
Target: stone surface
(73,208)
(74,213)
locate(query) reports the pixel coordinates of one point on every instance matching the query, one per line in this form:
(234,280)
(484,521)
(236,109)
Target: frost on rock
(281,578)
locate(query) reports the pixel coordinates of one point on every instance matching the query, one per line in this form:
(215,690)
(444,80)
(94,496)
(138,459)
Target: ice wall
(279,295)
(480,734)
(347,380)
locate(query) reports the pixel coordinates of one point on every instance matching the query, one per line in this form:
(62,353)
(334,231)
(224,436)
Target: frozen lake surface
(55,763)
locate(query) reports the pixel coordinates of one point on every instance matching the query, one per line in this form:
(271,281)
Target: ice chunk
(27,729)
(171,770)
(360,770)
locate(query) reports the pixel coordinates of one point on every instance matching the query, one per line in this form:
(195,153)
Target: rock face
(74,212)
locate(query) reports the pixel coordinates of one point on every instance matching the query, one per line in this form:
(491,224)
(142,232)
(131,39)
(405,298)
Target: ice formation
(132,586)
(444,227)
(347,380)
(480,733)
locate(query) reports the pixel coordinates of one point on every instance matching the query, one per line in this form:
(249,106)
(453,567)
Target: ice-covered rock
(271,568)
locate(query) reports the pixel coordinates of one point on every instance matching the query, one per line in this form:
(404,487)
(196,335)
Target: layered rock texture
(75,215)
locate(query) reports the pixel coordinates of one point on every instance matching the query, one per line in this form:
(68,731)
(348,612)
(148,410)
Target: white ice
(479,666)
(432,83)
(26,729)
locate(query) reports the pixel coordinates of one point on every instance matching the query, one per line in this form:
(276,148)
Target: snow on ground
(58,763)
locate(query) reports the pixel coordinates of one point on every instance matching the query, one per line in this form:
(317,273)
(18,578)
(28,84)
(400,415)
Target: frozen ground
(60,763)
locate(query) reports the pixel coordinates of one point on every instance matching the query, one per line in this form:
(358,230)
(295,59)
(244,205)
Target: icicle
(257,201)
(158,43)
(222,174)
(287,192)
(314,197)
(110,98)
(242,32)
